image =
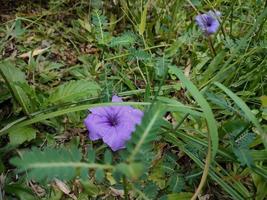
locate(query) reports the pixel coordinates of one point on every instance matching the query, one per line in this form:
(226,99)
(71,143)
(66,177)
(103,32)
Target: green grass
(204,130)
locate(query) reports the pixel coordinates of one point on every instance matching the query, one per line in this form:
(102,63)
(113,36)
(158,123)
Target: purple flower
(208,22)
(113,124)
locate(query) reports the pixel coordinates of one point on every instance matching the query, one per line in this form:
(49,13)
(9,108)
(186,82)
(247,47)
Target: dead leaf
(64,188)
(187,69)
(33,53)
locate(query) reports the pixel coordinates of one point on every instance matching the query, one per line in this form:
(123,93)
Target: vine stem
(205,171)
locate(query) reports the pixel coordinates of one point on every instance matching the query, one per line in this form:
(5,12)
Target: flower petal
(116,99)
(94,124)
(114,140)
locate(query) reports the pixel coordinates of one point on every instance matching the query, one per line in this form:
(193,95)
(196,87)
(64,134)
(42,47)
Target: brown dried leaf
(33,53)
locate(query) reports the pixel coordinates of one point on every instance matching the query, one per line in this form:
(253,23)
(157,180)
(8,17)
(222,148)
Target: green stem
(126,196)
(212,49)
(205,171)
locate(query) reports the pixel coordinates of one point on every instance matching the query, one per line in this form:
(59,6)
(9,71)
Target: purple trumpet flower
(208,22)
(113,124)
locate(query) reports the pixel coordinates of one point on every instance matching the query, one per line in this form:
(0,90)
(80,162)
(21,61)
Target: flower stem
(212,49)
(125,188)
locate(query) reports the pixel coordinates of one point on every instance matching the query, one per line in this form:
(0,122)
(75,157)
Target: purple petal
(213,28)
(116,99)
(200,20)
(114,124)
(93,123)
(113,140)
(208,22)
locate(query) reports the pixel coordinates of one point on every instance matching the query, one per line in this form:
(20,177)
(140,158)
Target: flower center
(113,120)
(209,21)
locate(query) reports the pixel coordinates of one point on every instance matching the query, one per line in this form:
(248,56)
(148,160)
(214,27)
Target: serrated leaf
(73,90)
(21,135)
(151,190)
(161,66)
(243,156)
(16,81)
(124,40)
(138,55)
(176,183)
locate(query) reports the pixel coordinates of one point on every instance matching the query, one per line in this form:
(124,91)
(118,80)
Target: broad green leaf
(16,81)
(73,90)
(176,183)
(20,135)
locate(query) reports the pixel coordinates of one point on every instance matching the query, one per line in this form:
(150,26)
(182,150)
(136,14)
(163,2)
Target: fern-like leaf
(124,40)
(139,147)
(138,55)
(54,163)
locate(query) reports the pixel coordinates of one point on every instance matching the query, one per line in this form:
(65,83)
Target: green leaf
(53,163)
(180,196)
(90,188)
(140,144)
(176,183)
(161,66)
(243,156)
(108,157)
(151,190)
(124,40)
(132,171)
(18,31)
(21,135)
(261,185)
(242,105)
(263,101)
(215,175)
(91,155)
(73,90)
(211,122)
(138,54)
(99,175)
(16,81)
(142,25)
